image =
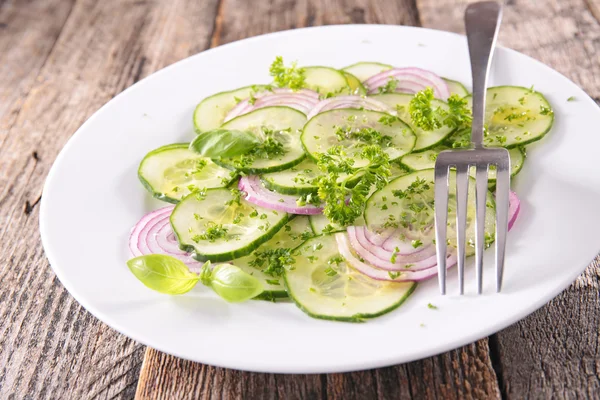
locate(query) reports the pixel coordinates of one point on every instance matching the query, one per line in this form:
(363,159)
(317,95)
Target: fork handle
(482,21)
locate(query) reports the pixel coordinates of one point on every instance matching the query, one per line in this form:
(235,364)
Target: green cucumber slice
(324,286)
(290,236)
(325,80)
(321,225)
(425,139)
(286,124)
(169,172)
(246,226)
(210,112)
(356,87)
(319,133)
(426,160)
(408,202)
(365,70)
(298,179)
(515,116)
(456,87)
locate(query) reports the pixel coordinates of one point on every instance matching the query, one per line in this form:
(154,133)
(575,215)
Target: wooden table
(60,60)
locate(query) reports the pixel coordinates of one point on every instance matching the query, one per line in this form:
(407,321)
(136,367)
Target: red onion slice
(380,258)
(334,103)
(514,206)
(257,194)
(410,80)
(377,260)
(153,235)
(302,100)
(380,274)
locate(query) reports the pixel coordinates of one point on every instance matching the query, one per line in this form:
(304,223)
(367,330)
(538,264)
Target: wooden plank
(556,351)
(241,19)
(28,33)
(463,373)
(563,34)
(49,346)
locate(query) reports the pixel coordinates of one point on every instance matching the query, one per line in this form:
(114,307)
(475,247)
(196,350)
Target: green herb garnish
(290,77)
(223,143)
(163,273)
(230,282)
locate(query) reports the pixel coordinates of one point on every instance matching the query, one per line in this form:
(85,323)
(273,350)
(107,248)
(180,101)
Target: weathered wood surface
(61,60)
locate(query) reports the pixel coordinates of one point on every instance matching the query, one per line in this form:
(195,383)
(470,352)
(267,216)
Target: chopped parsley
(291,77)
(421,111)
(431,306)
(394,255)
(388,119)
(343,204)
(427,117)
(546,110)
(394,274)
(212,233)
(365,135)
(272,281)
(390,86)
(572,98)
(273,261)
(416,243)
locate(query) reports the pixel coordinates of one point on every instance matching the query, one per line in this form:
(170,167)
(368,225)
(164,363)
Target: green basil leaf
(223,143)
(231,283)
(163,273)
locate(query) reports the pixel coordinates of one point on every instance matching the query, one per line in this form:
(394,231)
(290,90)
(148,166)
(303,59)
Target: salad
(318,187)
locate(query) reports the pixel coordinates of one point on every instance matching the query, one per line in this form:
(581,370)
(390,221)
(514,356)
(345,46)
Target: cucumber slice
(365,70)
(325,80)
(169,172)
(324,286)
(210,112)
(426,160)
(516,116)
(356,87)
(244,226)
(425,139)
(407,203)
(456,87)
(320,225)
(320,133)
(290,236)
(298,179)
(286,124)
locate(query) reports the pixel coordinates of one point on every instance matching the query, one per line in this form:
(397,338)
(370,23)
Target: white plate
(92,198)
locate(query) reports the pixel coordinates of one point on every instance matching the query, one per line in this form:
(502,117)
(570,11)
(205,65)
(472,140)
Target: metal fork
(482,22)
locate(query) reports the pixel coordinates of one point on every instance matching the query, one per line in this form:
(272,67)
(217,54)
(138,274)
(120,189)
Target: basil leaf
(231,283)
(163,273)
(223,143)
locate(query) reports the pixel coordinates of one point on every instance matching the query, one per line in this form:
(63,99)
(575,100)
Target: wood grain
(60,63)
(554,353)
(561,33)
(465,373)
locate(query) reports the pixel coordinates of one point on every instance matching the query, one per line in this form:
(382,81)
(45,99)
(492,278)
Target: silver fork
(482,21)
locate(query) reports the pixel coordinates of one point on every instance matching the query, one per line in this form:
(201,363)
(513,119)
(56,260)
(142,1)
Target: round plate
(92,198)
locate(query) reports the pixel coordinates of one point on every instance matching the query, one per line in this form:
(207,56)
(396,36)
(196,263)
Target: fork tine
(502,188)
(441,221)
(481,190)
(462,191)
